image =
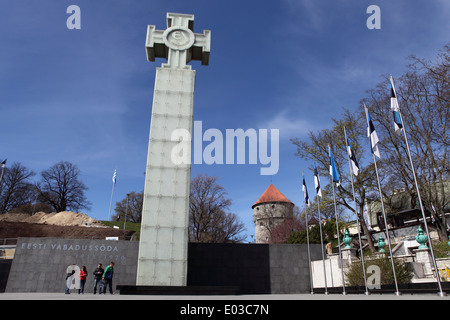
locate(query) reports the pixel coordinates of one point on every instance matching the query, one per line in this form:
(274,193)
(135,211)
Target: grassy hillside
(130,226)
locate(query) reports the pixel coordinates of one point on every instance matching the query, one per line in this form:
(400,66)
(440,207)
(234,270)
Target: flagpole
(307,232)
(110,203)
(309,252)
(112,193)
(337,231)
(397,292)
(441,292)
(386,227)
(357,217)
(339,240)
(319,195)
(321,244)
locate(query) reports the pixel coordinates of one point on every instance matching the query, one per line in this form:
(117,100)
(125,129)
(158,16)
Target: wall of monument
(40,265)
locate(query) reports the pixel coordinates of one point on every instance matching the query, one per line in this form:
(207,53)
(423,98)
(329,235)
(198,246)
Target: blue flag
(333,171)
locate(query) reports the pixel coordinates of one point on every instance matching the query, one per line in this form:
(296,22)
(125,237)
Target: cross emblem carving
(178,43)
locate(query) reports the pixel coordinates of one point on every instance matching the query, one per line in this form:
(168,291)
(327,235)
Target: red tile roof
(271,194)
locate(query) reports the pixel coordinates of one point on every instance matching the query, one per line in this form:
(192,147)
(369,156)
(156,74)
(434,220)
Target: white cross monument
(165,214)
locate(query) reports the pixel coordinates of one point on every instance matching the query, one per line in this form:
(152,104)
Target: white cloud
(290,126)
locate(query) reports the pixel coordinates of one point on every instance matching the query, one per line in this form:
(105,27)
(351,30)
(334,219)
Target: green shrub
(355,277)
(441,249)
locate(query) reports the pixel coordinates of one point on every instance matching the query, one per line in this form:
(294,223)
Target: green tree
(328,232)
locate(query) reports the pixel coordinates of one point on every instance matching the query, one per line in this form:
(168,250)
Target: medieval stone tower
(271,209)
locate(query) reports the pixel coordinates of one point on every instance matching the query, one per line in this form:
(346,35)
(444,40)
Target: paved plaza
(259,297)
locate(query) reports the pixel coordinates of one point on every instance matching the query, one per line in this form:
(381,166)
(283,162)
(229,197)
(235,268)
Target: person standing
(107,278)
(69,280)
(83,275)
(98,273)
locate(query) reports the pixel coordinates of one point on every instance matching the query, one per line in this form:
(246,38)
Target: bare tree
(281,232)
(424,98)
(316,149)
(62,189)
(130,207)
(208,219)
(16,188)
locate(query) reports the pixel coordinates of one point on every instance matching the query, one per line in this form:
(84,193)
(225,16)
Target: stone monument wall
(5,267)
(255,268)
(40,265)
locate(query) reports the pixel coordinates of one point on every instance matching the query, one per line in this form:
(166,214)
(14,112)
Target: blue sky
(85,95)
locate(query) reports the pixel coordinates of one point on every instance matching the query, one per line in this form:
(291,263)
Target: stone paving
(262,297)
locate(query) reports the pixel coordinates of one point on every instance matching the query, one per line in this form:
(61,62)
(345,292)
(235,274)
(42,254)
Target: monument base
(178,290)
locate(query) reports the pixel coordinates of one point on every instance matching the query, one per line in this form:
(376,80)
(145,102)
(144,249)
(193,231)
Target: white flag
(317,182)
(398,124)
(353,161)
(114,176)
(372,134)
(367,218)
(305,192)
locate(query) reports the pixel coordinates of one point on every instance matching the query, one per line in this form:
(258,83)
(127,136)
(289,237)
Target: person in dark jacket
(98,274)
